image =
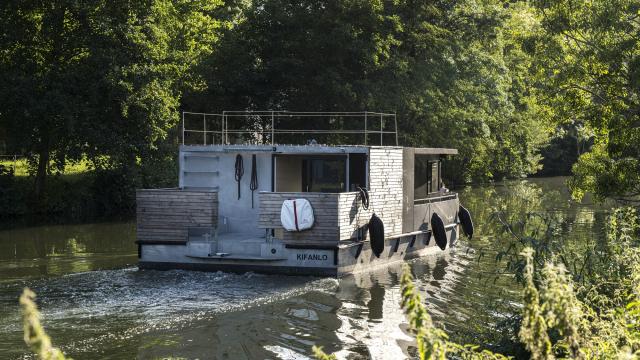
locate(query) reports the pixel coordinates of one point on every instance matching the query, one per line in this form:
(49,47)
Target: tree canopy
(106,80)
(591,51)
(98,79)
(455,72)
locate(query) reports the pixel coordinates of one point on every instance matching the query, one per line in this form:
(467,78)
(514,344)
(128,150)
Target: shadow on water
(120,312)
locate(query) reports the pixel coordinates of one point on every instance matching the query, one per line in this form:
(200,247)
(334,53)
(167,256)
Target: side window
(435,176)
(426,176)
(421,177)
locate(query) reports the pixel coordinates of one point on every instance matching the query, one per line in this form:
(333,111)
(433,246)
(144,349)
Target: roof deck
(289,127)
(194,150)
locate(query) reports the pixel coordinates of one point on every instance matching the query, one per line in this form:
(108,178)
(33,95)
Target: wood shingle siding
(164,215)
(385,187)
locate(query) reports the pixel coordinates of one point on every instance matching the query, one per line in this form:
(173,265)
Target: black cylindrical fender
(465,220)
(376,235)
(438,231)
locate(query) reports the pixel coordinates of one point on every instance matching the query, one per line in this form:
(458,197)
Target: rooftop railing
(280,127)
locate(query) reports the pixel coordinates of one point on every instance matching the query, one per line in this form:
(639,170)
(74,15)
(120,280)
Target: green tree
(98,79)
(42,46)
(590,53)
(456,73)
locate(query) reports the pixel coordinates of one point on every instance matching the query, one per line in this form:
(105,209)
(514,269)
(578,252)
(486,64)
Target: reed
(34,334)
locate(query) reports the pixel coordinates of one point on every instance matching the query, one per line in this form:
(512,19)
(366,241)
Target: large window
(323,174)
(426,176)
(319,173)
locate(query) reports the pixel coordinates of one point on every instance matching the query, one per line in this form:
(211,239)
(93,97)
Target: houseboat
(311,193)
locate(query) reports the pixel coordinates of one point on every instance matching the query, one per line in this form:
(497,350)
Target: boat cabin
(240,185)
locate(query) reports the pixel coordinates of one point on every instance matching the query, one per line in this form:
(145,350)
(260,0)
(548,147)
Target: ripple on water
(119,304)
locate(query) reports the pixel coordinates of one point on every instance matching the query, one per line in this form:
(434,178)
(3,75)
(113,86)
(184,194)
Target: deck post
(395,120)
(346,186)
(273,132)
(204,127)
(380,129)
(365,128)
(224,118)
(183,128)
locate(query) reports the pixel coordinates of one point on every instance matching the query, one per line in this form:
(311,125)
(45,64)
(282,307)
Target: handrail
(431,199)
(263,126)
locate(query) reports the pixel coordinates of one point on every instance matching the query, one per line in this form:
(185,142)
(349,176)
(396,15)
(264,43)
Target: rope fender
(438,231)
(465,220)
(376,235)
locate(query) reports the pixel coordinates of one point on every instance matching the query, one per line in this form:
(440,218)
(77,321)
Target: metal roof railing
(266,127)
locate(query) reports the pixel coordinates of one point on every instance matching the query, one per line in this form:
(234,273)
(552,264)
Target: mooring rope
(239,171)
(254,177)
(364,197)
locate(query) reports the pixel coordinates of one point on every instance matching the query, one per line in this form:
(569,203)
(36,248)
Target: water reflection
(62,249)
(122,313)
(375,305)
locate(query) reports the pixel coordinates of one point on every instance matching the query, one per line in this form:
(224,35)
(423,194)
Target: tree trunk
(43,167)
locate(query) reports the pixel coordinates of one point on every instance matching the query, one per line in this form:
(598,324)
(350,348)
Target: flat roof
(306,149)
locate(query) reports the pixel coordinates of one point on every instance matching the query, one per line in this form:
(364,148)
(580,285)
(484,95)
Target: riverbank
(68,198)
(79,193)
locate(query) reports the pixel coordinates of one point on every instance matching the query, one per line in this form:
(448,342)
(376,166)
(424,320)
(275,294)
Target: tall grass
(34,334)
(22,168)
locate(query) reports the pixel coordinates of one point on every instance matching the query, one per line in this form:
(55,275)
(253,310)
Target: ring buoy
(376,235)
(438,231)
(296,215)
(465,220)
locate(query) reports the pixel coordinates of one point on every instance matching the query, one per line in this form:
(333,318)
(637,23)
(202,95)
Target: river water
(97,304)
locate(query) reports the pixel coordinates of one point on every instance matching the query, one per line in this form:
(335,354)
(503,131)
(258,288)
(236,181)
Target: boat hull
(337,261)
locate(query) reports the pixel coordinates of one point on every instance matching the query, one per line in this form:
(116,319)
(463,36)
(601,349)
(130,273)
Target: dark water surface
(96,304)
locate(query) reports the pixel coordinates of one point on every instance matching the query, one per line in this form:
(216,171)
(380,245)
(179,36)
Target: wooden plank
(164,215)
(174,219)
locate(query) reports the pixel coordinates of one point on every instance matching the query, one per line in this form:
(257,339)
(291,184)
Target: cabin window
(323,175)
(427,176)
(320,173)
(357,171)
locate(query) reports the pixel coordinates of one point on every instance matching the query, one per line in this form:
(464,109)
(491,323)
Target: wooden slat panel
(164,215)
(325,209)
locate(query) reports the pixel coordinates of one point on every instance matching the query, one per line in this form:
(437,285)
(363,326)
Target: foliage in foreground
(34,334)
(596,320)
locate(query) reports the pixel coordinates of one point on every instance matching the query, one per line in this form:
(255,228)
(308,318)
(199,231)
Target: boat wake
(113,305)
